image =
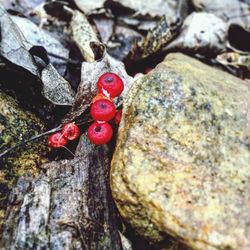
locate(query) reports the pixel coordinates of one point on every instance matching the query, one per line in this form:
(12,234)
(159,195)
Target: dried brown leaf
(122,41)
(13,44)
(15,48)
(235,60)
(157,38)
(149,7)
(233,11)
(55,88)
(105,28)
(83,35)
(202,33)
(36,36)
(88,7)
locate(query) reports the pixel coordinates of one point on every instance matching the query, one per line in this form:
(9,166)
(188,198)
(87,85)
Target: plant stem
(31,139)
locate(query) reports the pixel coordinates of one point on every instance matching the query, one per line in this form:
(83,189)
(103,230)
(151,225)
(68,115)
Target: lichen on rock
(17,125)
(182,161)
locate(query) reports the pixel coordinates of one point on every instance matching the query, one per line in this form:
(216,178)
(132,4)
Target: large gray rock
(182,161)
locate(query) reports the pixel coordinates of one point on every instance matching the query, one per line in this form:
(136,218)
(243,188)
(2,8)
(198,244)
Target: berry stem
(65,131)
(85,122)
(31,139)
(68,150)
(34,138)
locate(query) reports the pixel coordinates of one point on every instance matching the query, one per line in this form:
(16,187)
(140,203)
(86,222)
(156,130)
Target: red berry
(100,133)
(57,140)
(110,84)
(103,110)
(118,116)
(70,131)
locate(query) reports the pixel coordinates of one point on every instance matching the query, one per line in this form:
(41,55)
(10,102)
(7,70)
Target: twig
(40,136)
(69,151)
(84,122)
(31,139)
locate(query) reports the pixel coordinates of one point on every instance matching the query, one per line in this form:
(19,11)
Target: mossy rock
(182,161)
(17,125)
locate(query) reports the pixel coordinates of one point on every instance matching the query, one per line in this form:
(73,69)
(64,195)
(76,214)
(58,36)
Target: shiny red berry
(118,116)
(103,110)
(100,133)
(70,131)
(110,84)
(57,140)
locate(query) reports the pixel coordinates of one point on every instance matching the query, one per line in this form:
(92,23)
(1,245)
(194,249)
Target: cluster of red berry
(70,131)
(102,111)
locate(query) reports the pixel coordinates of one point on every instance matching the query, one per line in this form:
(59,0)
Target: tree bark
(68,206)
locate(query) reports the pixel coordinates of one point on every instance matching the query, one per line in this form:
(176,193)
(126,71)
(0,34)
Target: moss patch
(16,126)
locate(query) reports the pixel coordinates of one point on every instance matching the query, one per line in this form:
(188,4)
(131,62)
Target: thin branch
(69,151)
(84,122)
(38,137)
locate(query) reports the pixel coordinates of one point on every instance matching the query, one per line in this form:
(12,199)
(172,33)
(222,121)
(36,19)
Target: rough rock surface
(182,161)
(16,126)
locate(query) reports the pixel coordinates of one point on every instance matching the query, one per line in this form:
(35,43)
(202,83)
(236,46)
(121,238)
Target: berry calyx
(110,84)
(70,131)
(57,140)
(100,133)
(118,116)
(100,96)
(103,110)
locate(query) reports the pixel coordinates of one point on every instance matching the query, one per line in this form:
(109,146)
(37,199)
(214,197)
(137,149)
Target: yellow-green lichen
(17,126)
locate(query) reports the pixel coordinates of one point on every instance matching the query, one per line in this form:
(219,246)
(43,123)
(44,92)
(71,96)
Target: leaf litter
(16,49)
